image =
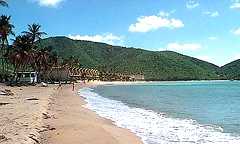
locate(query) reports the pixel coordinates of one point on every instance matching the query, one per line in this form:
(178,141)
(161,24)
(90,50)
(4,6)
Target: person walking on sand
(73,86)
(59,85)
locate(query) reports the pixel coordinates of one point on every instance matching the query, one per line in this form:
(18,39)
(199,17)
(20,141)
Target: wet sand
(74,124)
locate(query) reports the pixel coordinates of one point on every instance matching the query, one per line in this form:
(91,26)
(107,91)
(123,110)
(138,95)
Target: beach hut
(27,77)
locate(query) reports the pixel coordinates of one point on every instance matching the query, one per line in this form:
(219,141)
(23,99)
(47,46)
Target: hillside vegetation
(163,65)
(232,70)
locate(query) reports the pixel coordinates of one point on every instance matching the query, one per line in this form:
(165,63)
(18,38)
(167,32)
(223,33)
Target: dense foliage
(164,65)
(232,70)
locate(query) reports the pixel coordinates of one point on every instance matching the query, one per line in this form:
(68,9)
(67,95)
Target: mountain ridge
(155,65)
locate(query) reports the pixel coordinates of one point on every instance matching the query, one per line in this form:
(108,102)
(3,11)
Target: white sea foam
(156,128)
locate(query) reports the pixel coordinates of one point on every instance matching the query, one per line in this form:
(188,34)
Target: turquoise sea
(172,112)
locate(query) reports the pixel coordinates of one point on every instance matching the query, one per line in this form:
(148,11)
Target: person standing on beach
(73,86)
(59,85)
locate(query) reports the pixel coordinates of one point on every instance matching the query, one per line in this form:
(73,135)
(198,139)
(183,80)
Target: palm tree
(6,29)
(3,3)
(21,55)
(34,32)
(41,62)
(45,60)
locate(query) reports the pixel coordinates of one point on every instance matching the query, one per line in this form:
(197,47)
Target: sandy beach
(55,116)
(22,113)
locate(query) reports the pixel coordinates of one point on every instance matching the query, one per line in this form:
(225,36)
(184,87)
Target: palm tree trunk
(6,62)
(2,57)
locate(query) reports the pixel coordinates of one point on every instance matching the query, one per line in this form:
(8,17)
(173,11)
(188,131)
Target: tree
(6,29)
(3,3)
(21,55)
(34,32)
(41,61)
(41,57)
(71,62)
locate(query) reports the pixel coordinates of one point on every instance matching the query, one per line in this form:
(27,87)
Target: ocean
(194,112)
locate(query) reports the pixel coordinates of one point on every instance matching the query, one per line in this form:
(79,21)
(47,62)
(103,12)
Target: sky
(205,29)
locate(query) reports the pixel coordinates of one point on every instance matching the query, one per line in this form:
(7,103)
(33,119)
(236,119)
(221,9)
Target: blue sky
(209,30)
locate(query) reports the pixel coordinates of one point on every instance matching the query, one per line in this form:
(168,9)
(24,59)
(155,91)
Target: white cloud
(191,4)
(49,3)
(211,14)
(209,59)
(183,46)
(154,22)
(212,38)
(235,4)
(233,58)
(206,58)
(108,38)
(164,14)
(236,57)
(236,31)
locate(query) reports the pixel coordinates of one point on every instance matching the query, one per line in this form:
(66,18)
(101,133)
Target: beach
(22,113)
(55,115)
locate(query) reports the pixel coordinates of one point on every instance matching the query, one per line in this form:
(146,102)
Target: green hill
(232,70)
(164,65)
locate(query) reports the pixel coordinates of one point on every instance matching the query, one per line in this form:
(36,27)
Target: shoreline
(53,115)
(73,123)
(153,126)
(48,115)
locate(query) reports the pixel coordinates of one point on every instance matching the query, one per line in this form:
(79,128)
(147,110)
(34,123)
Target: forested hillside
(164,65)
(232,70)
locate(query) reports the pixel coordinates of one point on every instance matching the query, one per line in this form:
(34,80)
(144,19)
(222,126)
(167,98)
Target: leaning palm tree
(3,3)
(34,32)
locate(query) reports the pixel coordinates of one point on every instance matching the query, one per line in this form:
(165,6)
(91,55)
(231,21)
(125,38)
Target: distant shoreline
(97,83)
